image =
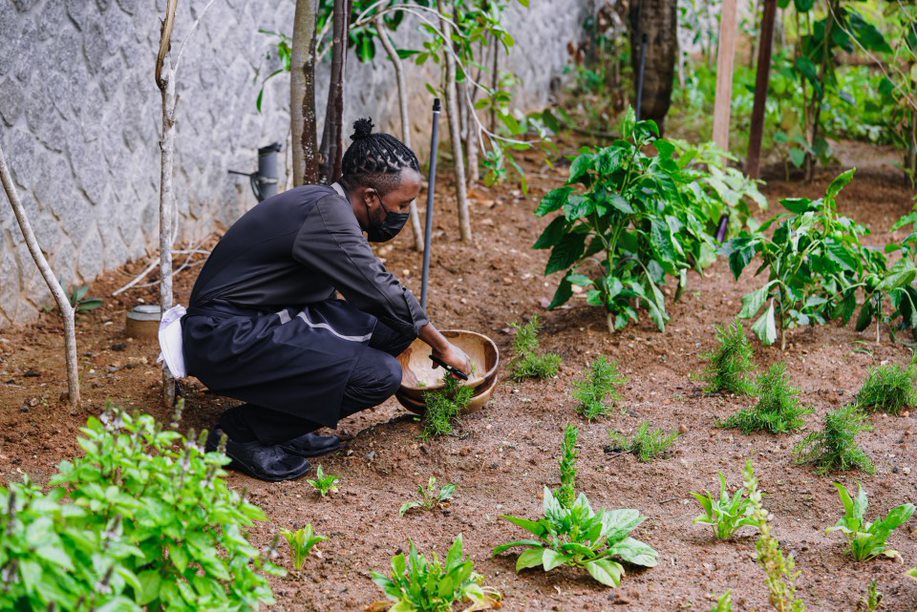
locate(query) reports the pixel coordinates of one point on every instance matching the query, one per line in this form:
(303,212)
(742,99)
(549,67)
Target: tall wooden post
(725,63)
(765,45)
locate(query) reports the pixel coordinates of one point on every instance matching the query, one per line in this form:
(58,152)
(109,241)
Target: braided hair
(375,160)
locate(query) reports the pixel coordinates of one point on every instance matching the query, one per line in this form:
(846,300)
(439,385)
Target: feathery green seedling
(729,364)
(871,601)
(431,497)
(646,444)
(420,584)
(724,603)
(834,448)
(868,540)
(780,571)
(778,409)
(566,494)
(889,388)
(726,514)
(324,483)
(598,393)
(301,543)
(444,406)
(528,363)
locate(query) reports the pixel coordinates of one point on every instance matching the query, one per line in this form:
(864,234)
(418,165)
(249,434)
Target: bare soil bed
(504,454)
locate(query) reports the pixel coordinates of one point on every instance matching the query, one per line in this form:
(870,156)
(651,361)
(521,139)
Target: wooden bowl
(420,377)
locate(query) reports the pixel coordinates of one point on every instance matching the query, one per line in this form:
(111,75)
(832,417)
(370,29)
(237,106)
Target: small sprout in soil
(778,409)
(646,444)
(598,393)
(868,540)
(444,407)
(726,514)
(301,543)
(528,363)
(431,497)
(324,483)
(834,448)
(780,571)
(566,494)
(724,603)
(82,303)
(420,584)
(889,388)
(872,599)
(729,364)
(912,573)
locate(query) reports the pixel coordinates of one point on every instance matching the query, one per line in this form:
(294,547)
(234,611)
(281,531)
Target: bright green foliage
(868,540)
(646,444)
(527,363)
(579,537)
(871,601)
(729,364)
(444,406)
(724,603)
(778,409)
(143,519)
(301,542)
(912,573)
(834,449)
(324,483)
(431,497)
(566,494)
(889,388)
(81,302)
(815,265)
(598,393)
(422,585)
(780,571)
(726,514)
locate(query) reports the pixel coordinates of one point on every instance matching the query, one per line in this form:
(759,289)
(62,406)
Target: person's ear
(368,194)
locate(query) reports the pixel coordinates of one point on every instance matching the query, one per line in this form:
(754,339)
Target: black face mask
(388,228)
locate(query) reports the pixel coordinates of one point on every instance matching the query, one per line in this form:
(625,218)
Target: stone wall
(80,117)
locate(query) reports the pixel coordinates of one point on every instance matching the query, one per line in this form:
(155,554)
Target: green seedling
(444,406)
(419,584)
(729,364)
(726,514)
(868,540)
(324,483)
(646,444)
(566,494)
(528,363)
(912,573)
(724,603)
(431,497)
(301,542)
(871,601)
(889,388)
(835,448)
(778,409)
(598,393)
(82,303)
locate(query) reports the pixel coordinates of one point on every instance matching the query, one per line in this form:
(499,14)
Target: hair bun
(362,128)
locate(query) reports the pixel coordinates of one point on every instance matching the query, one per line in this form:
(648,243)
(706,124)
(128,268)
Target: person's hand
(455,357)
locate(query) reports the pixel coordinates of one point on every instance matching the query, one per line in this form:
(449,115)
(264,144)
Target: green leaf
(529,558)
(552,234)
(605,571)
(752,302)
(839,183)
(551,558)
(580,280)
(618,202)
(865,317)
(797,156)
(149,582)
(527,524)
(567,252)
(635,552)
(577,207)
(804,6)
(766,327)
(564,292)
(580,168)
(799,205)
(553,200)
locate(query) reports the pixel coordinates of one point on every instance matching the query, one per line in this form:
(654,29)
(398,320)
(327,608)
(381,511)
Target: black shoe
(311,445)
(270,463)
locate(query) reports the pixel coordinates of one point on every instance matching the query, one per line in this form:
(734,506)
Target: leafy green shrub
(443,407)
(729,364)
(778,409)
(835,448)
(726,514)
(646,444)
(598,393)
(324,483)
(527,363)
(419,584)
(868,540)
(566,494)
(82,302)
(889,388)
(872,600)
(301,542)
(143,519)
(431,497)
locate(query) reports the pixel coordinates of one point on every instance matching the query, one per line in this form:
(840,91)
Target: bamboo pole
(765,46)
(725,64)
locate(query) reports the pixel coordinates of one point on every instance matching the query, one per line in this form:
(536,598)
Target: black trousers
(375,378)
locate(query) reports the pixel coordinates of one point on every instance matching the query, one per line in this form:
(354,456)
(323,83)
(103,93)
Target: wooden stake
(765,45)
(725,64)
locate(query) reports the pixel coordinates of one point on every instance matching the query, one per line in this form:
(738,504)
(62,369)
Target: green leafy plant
(444,406)
(724,603)
(912,573)
(729,364)
(834,448)
(430,585)
(868,540)
(324,483)
(566,494)
(889,388)
(646,443)
(527,363)
(301,542)
(872,599)
(598,392)
(780,570)
(81,302)
(431,497)
(778,409)
(726,514)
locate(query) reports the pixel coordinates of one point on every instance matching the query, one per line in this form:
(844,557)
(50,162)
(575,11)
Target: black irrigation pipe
(431,189)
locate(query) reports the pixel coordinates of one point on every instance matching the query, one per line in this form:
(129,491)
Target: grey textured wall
(80,116)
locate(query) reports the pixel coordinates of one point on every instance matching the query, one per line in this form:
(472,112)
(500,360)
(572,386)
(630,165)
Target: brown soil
(507,452)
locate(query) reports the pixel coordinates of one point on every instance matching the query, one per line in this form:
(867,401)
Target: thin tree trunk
(762,78)
(60,297)
(469,133)
(405,121)
(302,94)
(819,94)
(332,135)
(452,109)
(494,82)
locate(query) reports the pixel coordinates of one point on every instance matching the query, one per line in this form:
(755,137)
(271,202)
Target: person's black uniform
(264,325)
